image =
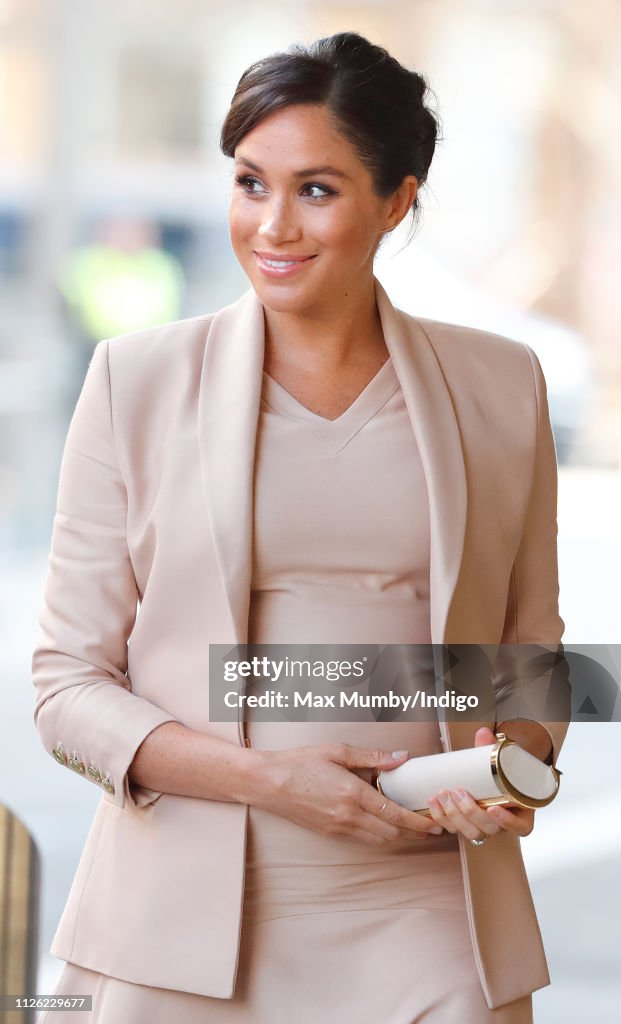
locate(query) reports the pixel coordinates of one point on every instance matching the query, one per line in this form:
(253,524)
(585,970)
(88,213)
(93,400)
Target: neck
(328,338)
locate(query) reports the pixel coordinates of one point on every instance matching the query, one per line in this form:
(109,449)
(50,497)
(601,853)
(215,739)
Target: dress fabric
(334,930)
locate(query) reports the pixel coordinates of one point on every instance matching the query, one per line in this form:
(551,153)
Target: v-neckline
(336,433)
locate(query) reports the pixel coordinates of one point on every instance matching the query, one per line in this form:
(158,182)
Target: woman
(309,465)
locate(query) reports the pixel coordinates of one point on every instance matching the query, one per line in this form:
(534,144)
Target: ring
(385,804)
(479,842)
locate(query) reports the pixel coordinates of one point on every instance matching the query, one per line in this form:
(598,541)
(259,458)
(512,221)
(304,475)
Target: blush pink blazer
(151,563)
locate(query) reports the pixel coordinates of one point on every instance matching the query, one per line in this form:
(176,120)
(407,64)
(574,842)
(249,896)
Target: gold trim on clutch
(514,796)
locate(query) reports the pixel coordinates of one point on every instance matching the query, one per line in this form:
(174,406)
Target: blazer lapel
(429,404)
(228,410)
(228,414)
(435,427)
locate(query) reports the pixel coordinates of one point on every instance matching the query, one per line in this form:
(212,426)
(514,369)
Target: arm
(175,759)
(531,675)
(84,704)
(317,787)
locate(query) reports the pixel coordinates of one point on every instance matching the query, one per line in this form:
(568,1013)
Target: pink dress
(335,930)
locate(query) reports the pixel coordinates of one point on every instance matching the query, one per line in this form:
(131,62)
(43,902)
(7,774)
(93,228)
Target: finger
(476,815)
(374,826)
(372,839)
(520,821)
(361,757)
(484,736)
(458,821)
(439,815)
(390,811)
(371,823)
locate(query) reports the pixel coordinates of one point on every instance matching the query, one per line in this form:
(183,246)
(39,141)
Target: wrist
(256,778)
(532,736)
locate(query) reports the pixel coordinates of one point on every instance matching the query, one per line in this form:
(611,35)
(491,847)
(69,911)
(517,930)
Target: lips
(276,265)
(282,257)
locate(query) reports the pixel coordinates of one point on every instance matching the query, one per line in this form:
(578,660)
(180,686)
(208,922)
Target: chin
(282,299)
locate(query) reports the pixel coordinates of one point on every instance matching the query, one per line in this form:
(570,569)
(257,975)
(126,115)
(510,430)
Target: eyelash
(244,179)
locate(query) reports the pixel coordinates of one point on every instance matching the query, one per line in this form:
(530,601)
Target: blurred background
(113,216)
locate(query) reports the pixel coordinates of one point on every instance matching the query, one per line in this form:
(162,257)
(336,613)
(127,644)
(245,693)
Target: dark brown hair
(378,105)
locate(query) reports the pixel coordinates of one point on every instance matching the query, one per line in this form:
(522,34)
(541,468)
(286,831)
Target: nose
(279,223)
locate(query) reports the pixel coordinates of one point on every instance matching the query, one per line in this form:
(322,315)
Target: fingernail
(436,830)
(445,799)
(461,794)
(399,753)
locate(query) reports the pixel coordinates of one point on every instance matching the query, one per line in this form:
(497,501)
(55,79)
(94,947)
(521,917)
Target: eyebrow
(307,172)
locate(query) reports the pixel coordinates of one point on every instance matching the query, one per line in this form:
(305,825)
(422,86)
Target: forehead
(300,136)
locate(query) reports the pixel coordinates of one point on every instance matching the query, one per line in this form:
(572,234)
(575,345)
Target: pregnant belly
(295,870)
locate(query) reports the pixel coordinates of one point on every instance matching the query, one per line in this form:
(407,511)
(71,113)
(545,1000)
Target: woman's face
(304,219)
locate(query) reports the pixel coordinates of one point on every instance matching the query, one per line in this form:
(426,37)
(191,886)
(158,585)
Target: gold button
(93,772)
(108,784)
(59,754)
(76,764)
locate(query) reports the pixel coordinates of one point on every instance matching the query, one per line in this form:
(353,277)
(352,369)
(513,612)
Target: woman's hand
(318,787)
(458,811)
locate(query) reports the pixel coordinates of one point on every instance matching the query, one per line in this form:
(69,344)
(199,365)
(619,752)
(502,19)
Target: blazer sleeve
(85,712)
(531,675)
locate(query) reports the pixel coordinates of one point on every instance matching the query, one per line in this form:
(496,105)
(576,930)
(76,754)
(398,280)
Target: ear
(401,201)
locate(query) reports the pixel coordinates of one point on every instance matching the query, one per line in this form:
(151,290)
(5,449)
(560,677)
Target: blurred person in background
(307,465)
(119,282)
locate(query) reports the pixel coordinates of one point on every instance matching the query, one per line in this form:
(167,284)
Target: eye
(324,190)
(253,187)
(247,183)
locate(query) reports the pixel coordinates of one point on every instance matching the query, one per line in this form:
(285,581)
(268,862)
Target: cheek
(241,223)
(349,232)
(352,239)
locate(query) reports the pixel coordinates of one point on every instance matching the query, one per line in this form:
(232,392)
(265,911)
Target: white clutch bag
(499,773)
